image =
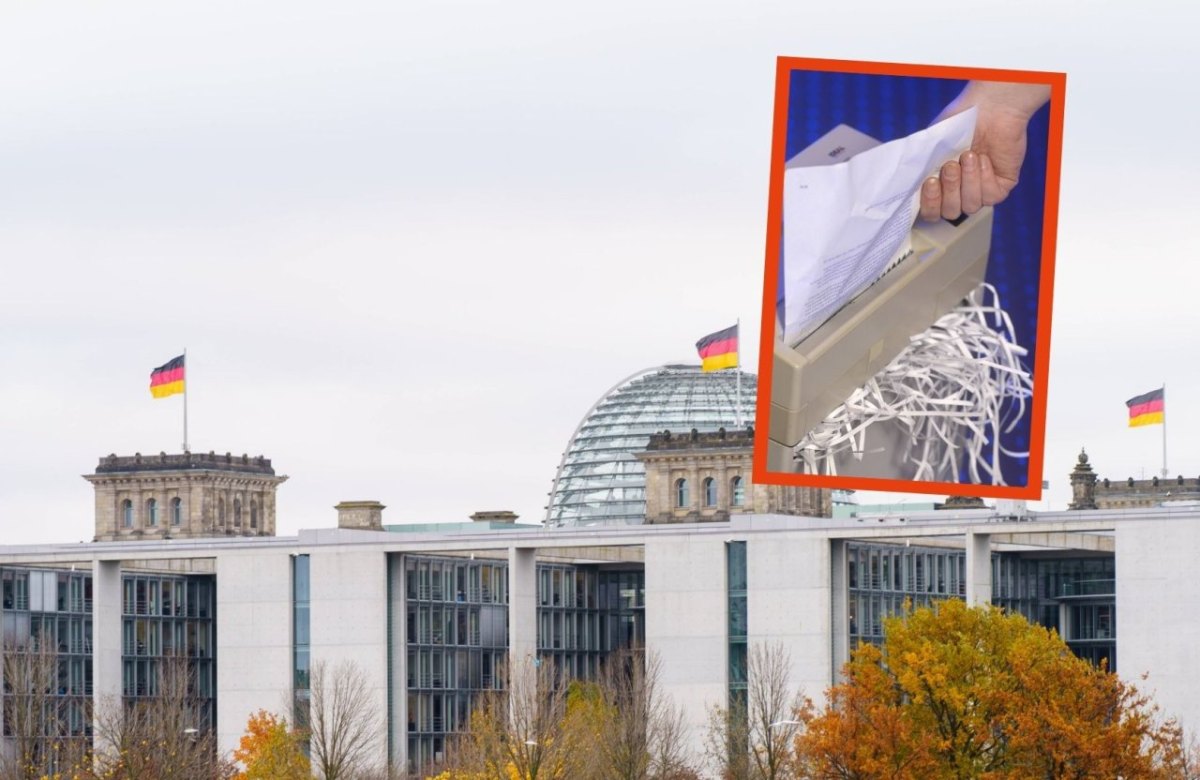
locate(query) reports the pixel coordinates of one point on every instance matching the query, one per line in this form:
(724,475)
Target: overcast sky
(407,245)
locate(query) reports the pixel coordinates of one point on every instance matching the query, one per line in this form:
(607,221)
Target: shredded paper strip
(956,390)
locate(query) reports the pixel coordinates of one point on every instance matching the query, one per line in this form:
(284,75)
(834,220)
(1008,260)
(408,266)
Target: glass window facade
(456,613)
(301,631)
(736,575)
(600,480)
(164,618)
(167,618)
(47,621)
(1075,596)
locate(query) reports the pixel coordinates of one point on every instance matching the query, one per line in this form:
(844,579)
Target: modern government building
(655,538)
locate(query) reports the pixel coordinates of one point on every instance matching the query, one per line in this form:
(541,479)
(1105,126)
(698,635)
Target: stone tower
(186,496)
(697,477)
(1083,484)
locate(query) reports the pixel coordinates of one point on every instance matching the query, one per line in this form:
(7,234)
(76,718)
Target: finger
(931,200)
(972,183)
(990,188)
(951,190)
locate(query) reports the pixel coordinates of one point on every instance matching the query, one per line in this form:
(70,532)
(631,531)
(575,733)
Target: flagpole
(1164,403)
(186,382)
(738,369)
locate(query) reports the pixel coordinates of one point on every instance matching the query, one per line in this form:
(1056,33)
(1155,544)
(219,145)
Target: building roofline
(915,526)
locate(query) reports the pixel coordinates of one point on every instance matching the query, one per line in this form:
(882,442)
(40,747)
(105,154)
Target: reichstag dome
(600,481)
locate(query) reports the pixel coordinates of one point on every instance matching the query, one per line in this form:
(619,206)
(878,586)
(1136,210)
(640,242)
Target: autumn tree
(269,750)
(627,725)
(752,738)
(958,692)
(543,726)
(343,725)
(520,732)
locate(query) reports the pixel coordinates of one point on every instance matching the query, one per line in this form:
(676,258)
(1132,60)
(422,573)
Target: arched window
(710,491)
(221,510)
(127,513)
(738,491)
(151,512)
(176,511)
(237,512)
(681,493)
(253,514)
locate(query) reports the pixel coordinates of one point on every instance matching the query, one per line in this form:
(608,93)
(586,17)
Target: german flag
(719,350)
(1146,409)
(167,379)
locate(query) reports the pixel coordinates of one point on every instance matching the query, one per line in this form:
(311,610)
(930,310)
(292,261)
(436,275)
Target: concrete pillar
(346,585)
(979,569)
(789,578)
(522,607)
(687,626)
(839,595)
(106,644)
(255,650)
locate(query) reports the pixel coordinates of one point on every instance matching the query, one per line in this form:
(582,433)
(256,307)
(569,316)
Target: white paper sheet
(844,224)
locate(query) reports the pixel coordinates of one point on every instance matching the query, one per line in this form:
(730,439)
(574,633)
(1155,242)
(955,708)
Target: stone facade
(186,496)
(1090,492)
(698,477)
(504,516)
(1083,484)
(360,515)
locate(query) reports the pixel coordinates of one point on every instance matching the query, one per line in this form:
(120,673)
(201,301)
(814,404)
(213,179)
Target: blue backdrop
(890,107)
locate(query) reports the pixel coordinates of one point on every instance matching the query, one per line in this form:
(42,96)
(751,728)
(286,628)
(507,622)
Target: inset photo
(910,263)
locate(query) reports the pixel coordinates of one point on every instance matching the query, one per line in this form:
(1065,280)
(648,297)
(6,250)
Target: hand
(987,172)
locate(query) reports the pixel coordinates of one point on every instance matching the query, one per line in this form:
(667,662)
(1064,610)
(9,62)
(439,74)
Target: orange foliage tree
(958,692)
(270,751)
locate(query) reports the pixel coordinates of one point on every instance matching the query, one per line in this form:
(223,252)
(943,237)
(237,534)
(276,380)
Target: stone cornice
(205,476)
(187,461)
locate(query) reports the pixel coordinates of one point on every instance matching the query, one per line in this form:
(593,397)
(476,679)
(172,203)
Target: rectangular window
(736,557)
(736,582)
(301,587)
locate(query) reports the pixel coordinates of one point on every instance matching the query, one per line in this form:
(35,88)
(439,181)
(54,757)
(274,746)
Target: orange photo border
(1041,369)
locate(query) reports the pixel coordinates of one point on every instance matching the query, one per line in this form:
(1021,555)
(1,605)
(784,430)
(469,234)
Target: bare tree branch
(45,721)
(344,727)
(642,735)
(160,737)
(754,739)
(522,730)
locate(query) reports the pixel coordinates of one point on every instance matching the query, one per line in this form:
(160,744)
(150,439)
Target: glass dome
(600,481)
